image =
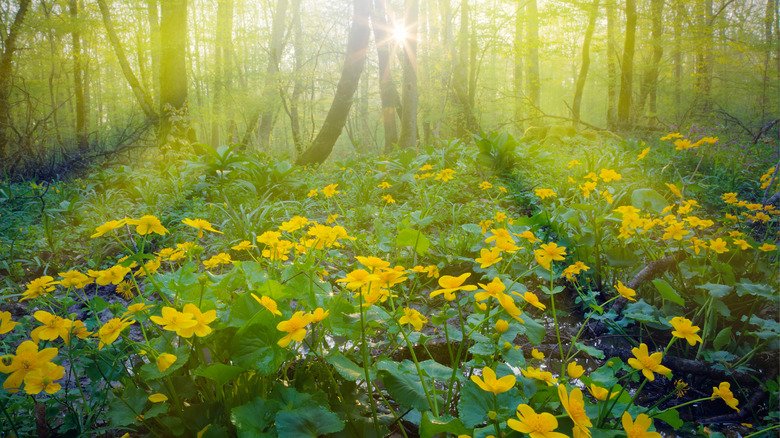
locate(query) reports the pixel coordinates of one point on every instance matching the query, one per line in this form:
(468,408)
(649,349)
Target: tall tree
(703,64)
(532,54)
(679,13)
(769,19)
(78,82)
(460,75)
(576,103)
(648,87)
(517,76)
(612,56)
(6,73)
(271,88)
(357,43)
(295,124)
(138,91)
(409,96)
(627,67)
(153,15)
(387,92)
(173,66)
(222,64)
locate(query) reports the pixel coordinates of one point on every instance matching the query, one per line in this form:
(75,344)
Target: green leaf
(533,329)
(716,290)
(253,418)
(307,422)
(254,346)
(437,371)
(430,425)
(648,199)
(345,367)
(722,339)
(219,372)
(149,371)
(413,238)
(756,289)
(405,388)
(671,417)
(667,292)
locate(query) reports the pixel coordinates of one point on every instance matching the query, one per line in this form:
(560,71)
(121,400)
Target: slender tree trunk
(295,124)
(221,66)
(78,84)
(518,64)
(648,87)
(532,40)
(408,137)
(154,44)
(612,56)
(576,103)
(6,74)
(387,92)
(270,89)
(138,91)
(678,56)
(53,92)
(703,56)
(173,63)
(627,67)
(771,8)
(460,75)
(357,43)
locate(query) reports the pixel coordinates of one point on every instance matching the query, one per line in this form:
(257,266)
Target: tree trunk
(387,92)
(221,65)
(532,40)
(518,65)
(627,67)
(138,91)
(173,66)
(678,58)
(357,44)
(703,71)
(6,74)
(268,103)
(460,75)
(408,138)
(612,56)
(771,7)
(78,83)
(295,124)
(576,103)
(648,87)
(154,44)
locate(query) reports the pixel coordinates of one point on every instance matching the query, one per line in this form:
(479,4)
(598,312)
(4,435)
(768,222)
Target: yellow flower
(724,391)
(426,167)
(243,246)
(75,279)
(529,236)
(549,252)
(148,224)
(544,193)
(268,303)
(484,185)
(531,299)
(491,384)
(110,331)
(113,275)
(41,286)
(312,192)
(574,269)
(294,224)
(626,292)
(535,425)
(575,408)
(319,314)
(537,354)
(492,289)
(601,393)
(42,379)
(573,163)
(683,144)
(108,226)
(53,327)
(358,278)
(173,320)
(295,328)
(574,370)
(27,359)
(413,317)
(165,360)
(502,326)
(200,225)
(643,154)
(672,136)
(638,428)
(157,398)
(330,190)
(673,188)
(609,175)
(452,284)
(683,329)
(766,247)
(488,257)
(384,185)
(374,263)
(135,308)
(445,175)
(6,324)
(647,363)
(718,245)
(537,373)
(202,321)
